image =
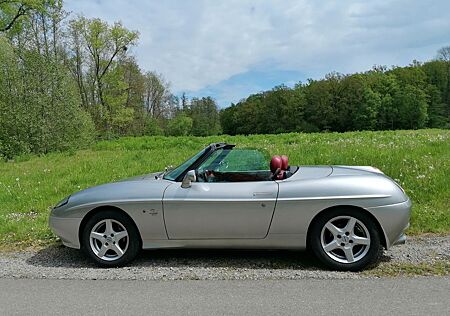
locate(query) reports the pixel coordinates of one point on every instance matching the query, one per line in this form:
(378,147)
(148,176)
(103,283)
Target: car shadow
(384,258)
(60,256)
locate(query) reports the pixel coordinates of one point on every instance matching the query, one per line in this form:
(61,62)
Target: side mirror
(188,178)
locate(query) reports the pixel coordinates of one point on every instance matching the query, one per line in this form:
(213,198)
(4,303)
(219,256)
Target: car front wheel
(345,240)
(110,239)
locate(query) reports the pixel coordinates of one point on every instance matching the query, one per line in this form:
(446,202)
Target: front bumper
(401,240)
(394,220)
(66,229)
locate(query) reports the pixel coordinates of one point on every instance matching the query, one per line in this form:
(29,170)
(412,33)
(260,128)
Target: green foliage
(13,12)
(205,117)
(38,116)
(401,98)
(365,116)
(152,127)
(412,105)
(279,110)
(103,88)
(181,125)
(418,160)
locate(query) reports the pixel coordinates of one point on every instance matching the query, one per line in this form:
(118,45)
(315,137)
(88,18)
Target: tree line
(412,97)
(65,82)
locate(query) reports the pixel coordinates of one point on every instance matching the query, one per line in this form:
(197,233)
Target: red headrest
(275,163)
(284,162)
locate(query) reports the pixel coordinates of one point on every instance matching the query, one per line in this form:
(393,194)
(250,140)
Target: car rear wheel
(110,239)
(345,240)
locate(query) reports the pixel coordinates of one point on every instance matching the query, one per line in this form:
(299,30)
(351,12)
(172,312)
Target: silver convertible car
(226,197)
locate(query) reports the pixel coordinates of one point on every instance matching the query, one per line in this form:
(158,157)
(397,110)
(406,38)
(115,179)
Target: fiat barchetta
(231,197)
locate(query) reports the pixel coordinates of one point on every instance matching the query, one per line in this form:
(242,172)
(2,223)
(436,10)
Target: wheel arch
(380,229)
(100,209)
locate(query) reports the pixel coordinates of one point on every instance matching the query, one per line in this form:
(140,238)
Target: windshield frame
(179,171)
(195,161)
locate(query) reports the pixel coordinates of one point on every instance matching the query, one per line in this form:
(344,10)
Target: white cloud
(195,44)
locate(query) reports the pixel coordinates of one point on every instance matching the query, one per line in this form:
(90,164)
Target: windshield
(175,173)
(235,160)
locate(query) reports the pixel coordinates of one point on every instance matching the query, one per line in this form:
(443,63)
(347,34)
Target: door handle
(262,194)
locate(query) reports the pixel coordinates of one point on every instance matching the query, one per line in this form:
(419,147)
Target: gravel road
(58,262)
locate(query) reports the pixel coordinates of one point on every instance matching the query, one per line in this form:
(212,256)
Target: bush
(181,125)
(152,127)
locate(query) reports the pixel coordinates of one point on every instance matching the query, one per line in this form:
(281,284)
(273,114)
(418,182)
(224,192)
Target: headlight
(62,202)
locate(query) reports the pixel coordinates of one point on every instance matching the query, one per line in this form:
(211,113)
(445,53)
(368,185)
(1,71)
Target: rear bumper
(66,229)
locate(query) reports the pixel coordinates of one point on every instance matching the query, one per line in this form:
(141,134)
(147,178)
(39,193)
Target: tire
(110,239)
(345,240)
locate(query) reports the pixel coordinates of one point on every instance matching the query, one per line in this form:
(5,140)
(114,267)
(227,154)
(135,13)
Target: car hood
(150,176)
(136,189)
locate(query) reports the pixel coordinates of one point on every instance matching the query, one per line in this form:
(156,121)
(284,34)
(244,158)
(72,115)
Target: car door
(219,210)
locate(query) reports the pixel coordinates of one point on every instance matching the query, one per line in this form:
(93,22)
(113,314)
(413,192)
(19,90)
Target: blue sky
(232,48)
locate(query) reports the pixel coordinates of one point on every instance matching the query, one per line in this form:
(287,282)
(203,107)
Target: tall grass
(418,160)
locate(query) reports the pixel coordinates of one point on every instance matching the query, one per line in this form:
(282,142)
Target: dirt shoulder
(424,255)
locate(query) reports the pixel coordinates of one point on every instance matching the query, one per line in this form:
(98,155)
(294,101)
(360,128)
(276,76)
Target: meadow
(31,185)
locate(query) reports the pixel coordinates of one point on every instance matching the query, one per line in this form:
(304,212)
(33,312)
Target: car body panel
(271,241)
(394,219)
(140,199)
(66,228)
(301,198)
(220,210)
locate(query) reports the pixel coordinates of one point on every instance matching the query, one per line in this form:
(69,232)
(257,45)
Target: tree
(247,115)
(156,94)
(412,103)
(319,111)
(294,114)
(184,102)
(386,86)
(205,117)
(100,45)
(76,60)
(366,114)
(12,11)
(134,80)
(39,105)
(120,98)
(444,55)
(228,119)
(436,108)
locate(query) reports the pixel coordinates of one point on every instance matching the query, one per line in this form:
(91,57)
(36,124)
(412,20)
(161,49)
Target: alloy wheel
(345,239)
(109,239)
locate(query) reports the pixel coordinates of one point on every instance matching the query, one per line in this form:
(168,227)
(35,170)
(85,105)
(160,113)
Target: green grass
(440,268)
(29,186)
